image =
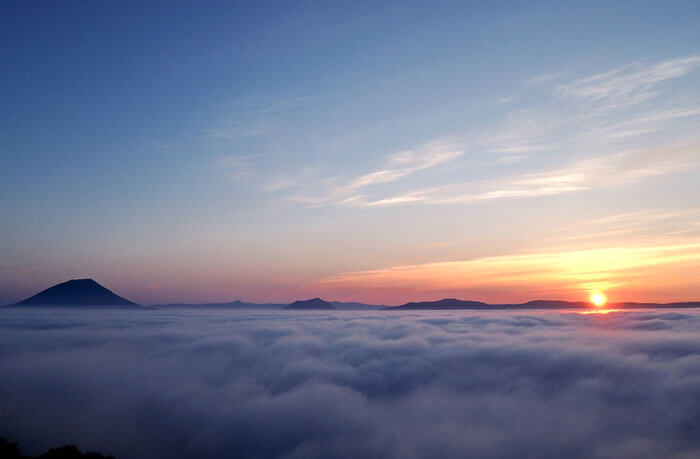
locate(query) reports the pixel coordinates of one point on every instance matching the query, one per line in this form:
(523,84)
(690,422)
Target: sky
(494,151)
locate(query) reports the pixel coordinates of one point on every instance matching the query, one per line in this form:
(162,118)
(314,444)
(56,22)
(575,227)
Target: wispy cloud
(633,126)
(647,225)
(606,171)
(634,218)
(239,131)
(546,78)
(618,168)
(280,184)
(239,166)
(396,166)
(568,140)
(627,85)
(399,165)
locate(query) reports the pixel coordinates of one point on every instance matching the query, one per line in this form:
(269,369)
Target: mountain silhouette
(676,305)
(316,303)
(445,304)
(355,306)
(455,304)
(76,292)
(553,304)
(237,304)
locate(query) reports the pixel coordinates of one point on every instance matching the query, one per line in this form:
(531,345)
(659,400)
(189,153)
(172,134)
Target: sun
(598,299)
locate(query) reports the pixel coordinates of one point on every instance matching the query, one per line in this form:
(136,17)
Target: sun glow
(628,271)
(598,299)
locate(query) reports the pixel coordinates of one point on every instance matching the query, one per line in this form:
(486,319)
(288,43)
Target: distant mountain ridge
(444,304)
(553,304)
(354,306)
(77,292)
(315,303)
(88,293)
(455,304)
(237,304)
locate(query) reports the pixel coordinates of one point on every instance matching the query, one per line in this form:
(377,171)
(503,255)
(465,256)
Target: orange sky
(662,273)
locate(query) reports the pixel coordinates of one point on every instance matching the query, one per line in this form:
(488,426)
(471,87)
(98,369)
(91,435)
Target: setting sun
(598,299)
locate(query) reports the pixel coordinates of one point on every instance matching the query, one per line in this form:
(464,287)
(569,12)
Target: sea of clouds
(211,383)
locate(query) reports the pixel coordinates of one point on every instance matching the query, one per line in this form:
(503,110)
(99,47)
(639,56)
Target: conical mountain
(76,292)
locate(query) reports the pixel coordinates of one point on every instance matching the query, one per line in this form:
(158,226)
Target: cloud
(611,170)
(566,140)
(628,85)
(545,78)
(618,168)
(239,131)
(405,163)
(240,166)
(653,224)
(278,384)
(397,166)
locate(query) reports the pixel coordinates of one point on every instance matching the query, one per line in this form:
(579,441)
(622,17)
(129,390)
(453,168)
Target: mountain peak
(85,281)
(76,292)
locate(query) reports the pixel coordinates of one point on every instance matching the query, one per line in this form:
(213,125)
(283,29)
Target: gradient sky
(496,151)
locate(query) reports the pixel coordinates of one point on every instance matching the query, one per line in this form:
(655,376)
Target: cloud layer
(281,384)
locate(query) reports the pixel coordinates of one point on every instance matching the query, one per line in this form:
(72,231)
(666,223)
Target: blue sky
(207,152)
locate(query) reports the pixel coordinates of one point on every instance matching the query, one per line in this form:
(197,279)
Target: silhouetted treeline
(10,450)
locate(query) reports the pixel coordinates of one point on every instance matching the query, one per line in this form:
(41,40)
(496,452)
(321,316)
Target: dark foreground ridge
(316,303)
(77,292)
(11,451)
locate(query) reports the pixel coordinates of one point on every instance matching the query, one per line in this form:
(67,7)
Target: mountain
(552,304)
(341,305)
(635,305)
(354,306)
(444,304)
(229,305)
(77,292)
(316,303)
(680,304)
(455,304)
